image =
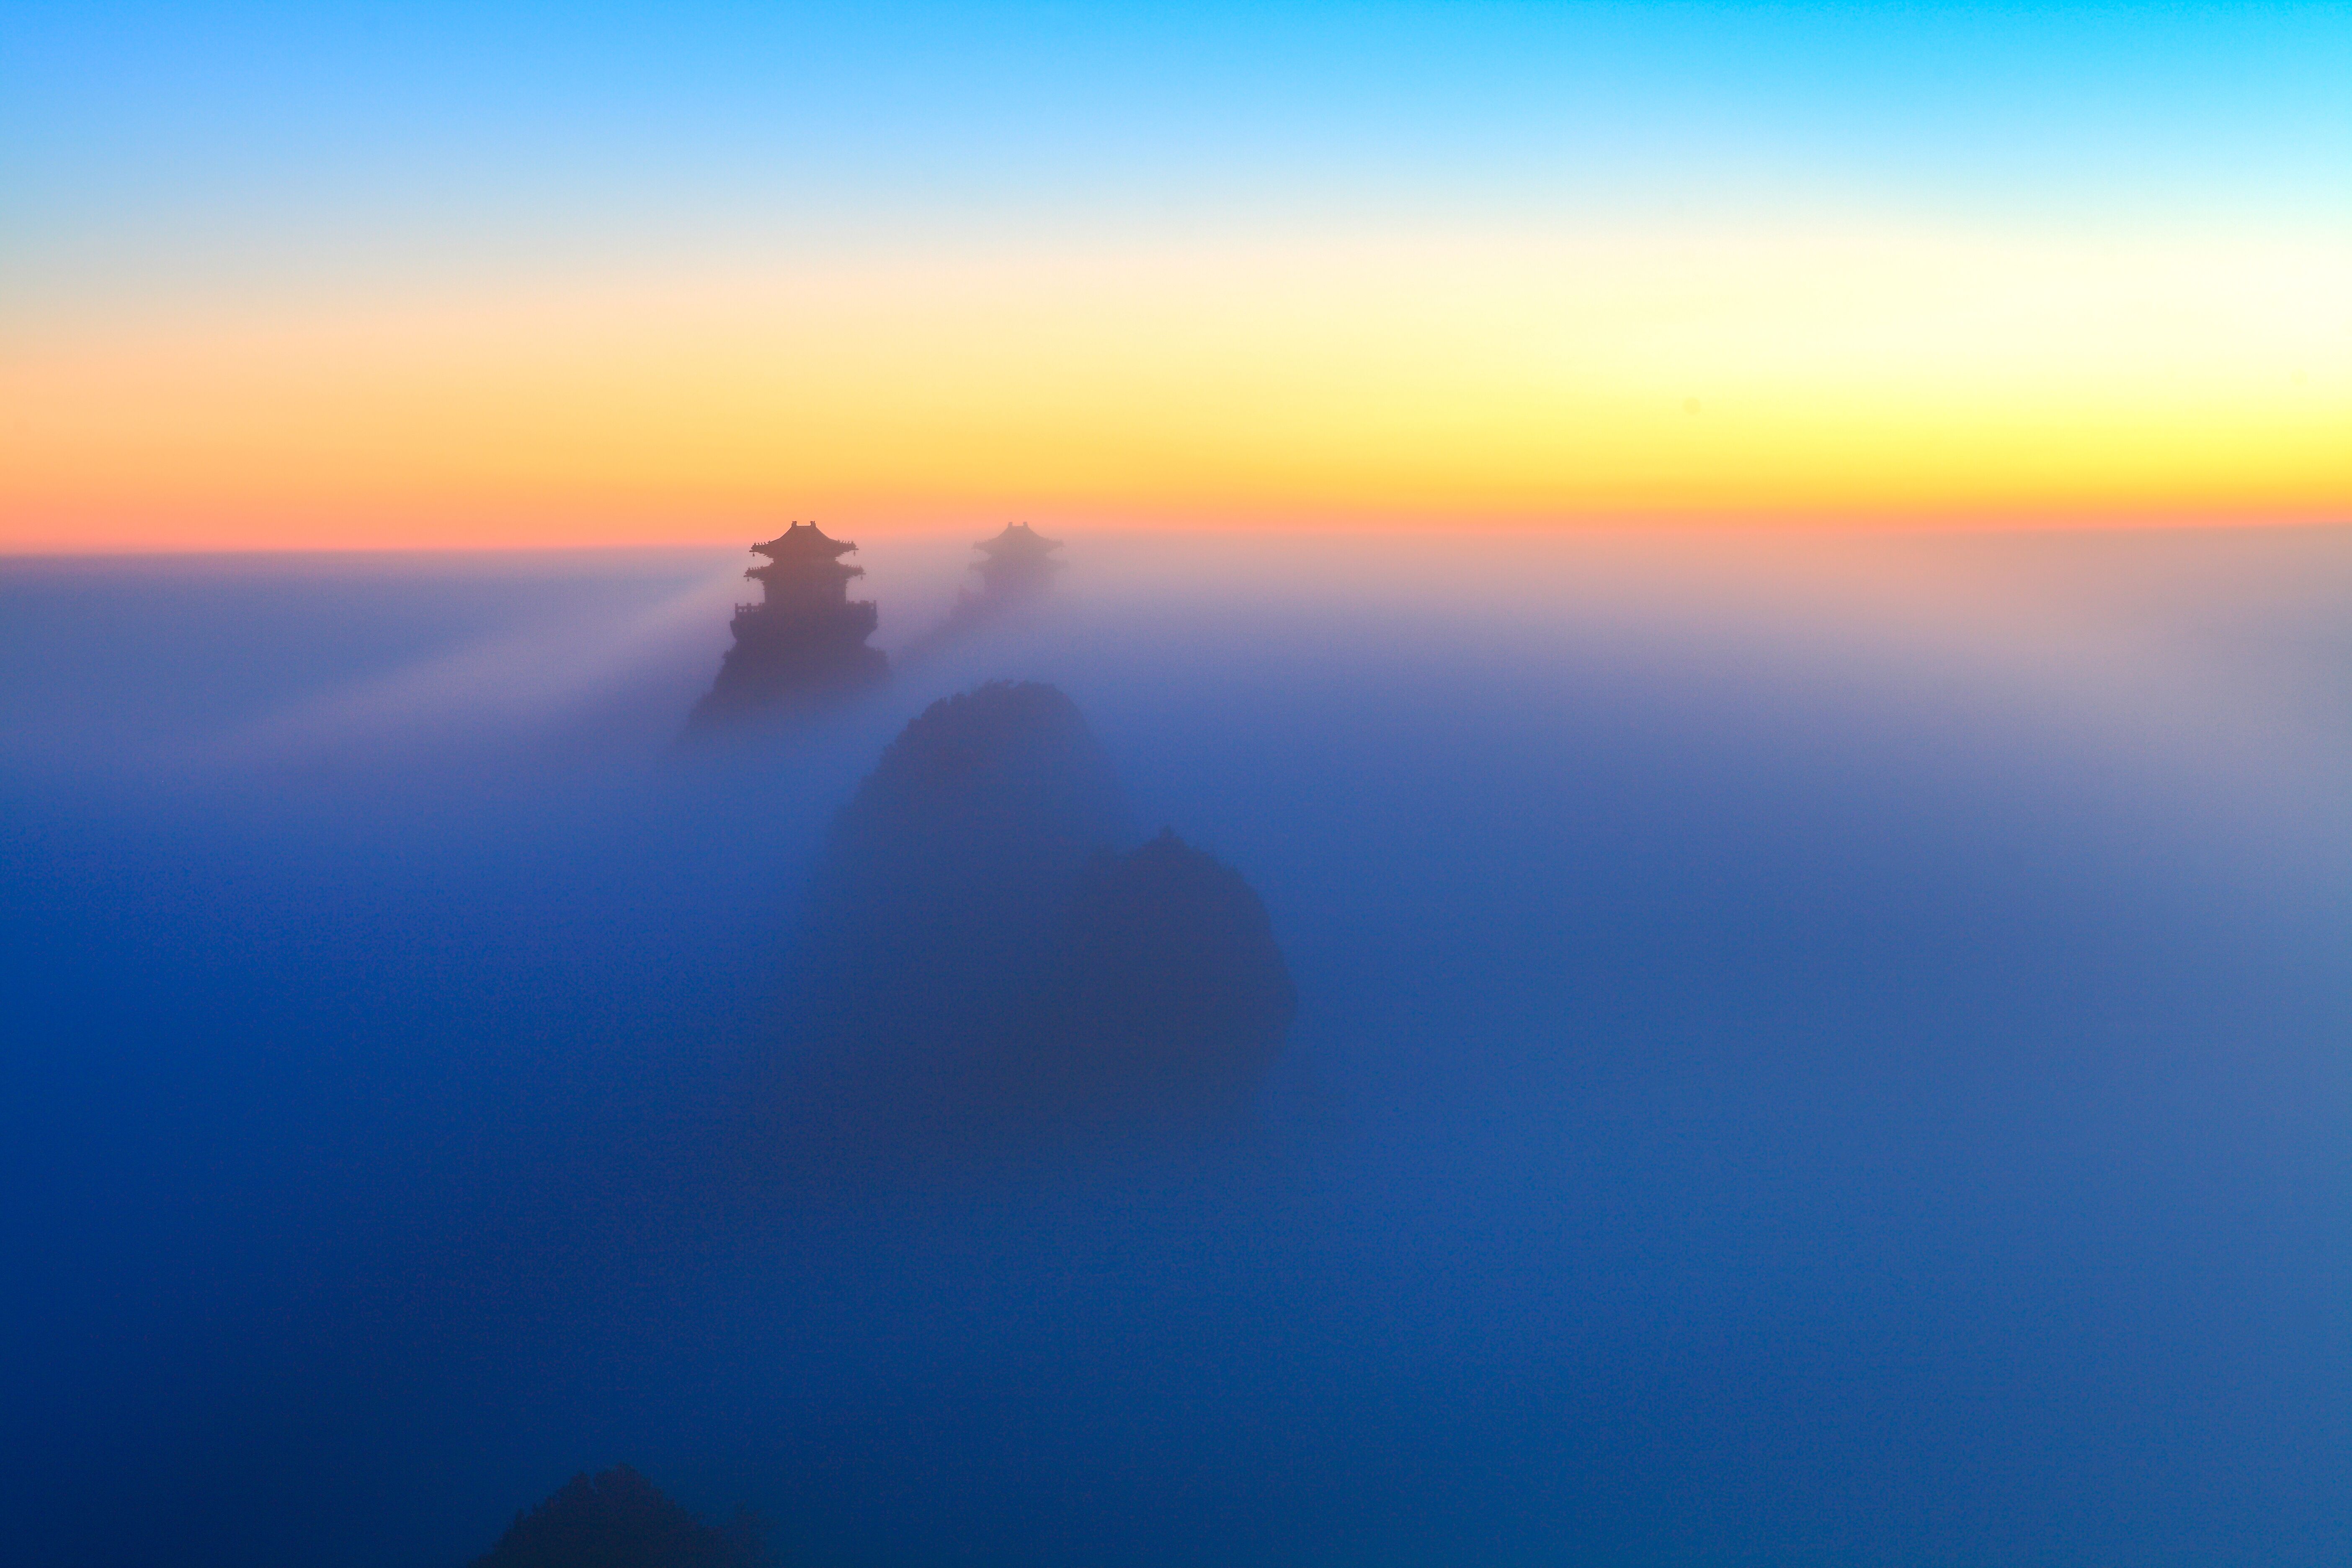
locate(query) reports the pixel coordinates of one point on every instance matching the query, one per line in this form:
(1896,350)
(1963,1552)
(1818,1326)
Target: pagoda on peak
(1016,570)
(1017,563)
(806,636)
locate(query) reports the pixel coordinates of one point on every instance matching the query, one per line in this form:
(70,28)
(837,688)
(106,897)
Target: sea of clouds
(1810,1049)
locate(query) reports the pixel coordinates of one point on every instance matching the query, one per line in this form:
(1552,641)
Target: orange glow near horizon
(1864,377)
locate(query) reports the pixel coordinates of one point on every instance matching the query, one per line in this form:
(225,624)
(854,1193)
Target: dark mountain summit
(989,969)
(619,1519)
(1007,771)
(1177,995)
(805,640)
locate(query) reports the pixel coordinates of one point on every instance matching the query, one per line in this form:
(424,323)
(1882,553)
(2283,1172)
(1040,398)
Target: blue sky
(2142,192)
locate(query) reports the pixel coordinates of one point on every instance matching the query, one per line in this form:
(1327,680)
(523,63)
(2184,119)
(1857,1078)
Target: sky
(296,276)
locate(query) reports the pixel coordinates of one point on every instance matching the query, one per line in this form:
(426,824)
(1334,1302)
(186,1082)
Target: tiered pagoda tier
(805,638)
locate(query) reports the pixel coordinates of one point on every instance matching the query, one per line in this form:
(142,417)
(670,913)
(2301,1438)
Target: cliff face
(991,972)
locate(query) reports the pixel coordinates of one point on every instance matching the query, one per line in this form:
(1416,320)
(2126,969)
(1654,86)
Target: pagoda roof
(1018,539)
(801,541)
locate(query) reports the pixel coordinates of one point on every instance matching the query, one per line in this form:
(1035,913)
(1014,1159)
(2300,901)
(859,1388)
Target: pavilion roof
(800,542)
(1018,539)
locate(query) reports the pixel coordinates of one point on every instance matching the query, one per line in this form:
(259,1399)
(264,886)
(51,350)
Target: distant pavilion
(1017,562)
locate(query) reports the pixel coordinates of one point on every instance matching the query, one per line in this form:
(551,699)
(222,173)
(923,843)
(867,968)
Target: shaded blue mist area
(1811,1052)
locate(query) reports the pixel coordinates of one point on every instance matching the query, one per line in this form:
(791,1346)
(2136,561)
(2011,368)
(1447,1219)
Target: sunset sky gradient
(329,276)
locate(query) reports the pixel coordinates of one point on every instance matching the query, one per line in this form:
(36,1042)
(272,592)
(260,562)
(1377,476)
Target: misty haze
(1253,1047)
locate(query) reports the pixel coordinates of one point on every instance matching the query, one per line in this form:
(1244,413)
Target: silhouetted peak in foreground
(1176,989)
(992,970)
(1007,779)
(619,1519)
(949,873)
(805,640)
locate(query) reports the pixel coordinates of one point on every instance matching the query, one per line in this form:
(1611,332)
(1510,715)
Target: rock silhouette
(619,1519)
(805,640)
(1177,995)
(993,972)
